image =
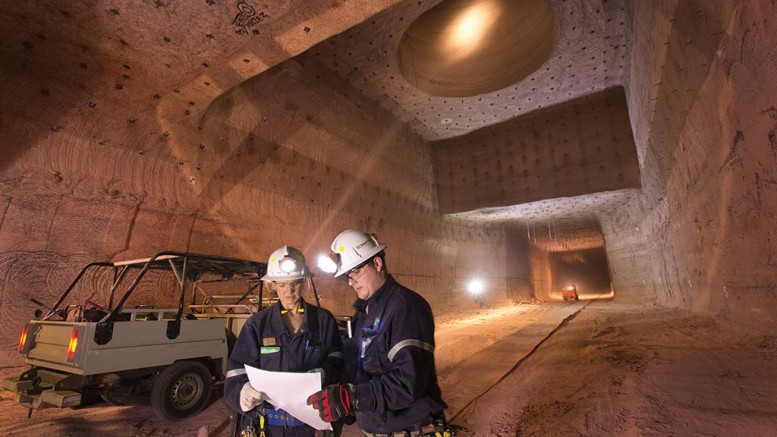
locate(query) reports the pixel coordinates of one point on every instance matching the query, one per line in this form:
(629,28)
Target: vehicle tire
(181,390)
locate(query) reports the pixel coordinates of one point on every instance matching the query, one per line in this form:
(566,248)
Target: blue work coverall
(265,343)
(395,375)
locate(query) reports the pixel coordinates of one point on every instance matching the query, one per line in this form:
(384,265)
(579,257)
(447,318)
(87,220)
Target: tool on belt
(250,430)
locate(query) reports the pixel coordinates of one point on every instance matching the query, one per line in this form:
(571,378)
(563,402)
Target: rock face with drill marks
(232,128)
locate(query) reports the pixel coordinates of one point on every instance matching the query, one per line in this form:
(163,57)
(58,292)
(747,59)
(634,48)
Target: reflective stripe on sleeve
(336,355)
(397,347)
(236,372)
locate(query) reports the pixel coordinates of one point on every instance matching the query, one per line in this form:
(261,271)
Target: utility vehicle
(570,293)
(102,337)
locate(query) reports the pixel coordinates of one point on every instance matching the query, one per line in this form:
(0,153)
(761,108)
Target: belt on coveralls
(280,417)
(429,429)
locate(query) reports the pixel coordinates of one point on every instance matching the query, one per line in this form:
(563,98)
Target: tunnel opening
(207,128)
(585,271)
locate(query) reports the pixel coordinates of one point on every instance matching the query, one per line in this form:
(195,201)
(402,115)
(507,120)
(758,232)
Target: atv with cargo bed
(119,351)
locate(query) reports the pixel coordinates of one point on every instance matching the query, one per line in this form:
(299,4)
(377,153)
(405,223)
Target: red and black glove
(334,402)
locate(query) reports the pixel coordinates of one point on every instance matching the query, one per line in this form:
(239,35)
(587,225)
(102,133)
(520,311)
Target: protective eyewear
(357,272)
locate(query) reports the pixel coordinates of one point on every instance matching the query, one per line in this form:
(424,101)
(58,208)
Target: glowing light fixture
(476,287)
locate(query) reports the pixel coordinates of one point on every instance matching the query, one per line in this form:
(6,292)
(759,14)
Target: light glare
(468,29)
(288,265)
(476,286)
(326,264)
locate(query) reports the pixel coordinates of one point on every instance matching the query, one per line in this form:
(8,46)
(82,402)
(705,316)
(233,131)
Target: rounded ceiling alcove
(462,48)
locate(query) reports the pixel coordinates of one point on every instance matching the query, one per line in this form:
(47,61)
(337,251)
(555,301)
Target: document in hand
(290,392)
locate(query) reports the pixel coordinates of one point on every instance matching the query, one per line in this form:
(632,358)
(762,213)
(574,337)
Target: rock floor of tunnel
(609,369)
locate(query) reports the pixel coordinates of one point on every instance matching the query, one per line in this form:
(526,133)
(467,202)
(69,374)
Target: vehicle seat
(93,314)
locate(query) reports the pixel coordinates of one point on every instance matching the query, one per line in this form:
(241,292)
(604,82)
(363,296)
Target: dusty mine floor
(635,371)
(605,368)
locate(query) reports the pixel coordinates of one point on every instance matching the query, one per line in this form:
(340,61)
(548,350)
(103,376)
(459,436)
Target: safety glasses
(357,272)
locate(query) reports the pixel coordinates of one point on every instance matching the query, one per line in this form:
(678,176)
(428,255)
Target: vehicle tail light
(22,339)
(71,347)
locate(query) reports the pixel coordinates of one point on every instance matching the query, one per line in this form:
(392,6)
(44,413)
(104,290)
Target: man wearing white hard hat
(391,388)
(289,336)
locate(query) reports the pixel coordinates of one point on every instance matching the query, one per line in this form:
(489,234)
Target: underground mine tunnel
(625,147)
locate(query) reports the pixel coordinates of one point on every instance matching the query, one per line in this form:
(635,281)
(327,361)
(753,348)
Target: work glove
(250,397)
(334,402)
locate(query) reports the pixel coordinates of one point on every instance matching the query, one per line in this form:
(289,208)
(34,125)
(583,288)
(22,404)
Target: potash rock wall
(283,158)
(702,100)
(105,159)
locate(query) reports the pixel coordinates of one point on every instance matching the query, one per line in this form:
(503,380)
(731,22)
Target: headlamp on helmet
(354,248)
(328,263)
(286,264)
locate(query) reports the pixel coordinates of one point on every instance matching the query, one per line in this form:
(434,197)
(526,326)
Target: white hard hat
(286,264)
(354,247)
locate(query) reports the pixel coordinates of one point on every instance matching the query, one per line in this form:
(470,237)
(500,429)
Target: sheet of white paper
(290,391)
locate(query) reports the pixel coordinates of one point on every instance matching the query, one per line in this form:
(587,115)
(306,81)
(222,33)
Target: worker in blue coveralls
(289,336)
(391,382)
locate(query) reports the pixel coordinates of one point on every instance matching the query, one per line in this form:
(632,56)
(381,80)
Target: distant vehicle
(118,351)
(570,293)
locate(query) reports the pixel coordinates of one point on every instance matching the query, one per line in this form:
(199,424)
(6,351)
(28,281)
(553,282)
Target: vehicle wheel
(181,390)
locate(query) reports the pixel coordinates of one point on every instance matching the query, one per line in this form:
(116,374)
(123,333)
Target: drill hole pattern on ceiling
(590,56)
(558,225)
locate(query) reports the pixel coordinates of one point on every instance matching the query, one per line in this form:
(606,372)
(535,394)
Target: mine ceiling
(538,55)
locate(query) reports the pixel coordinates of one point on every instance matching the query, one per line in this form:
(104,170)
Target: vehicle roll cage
(184,265)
